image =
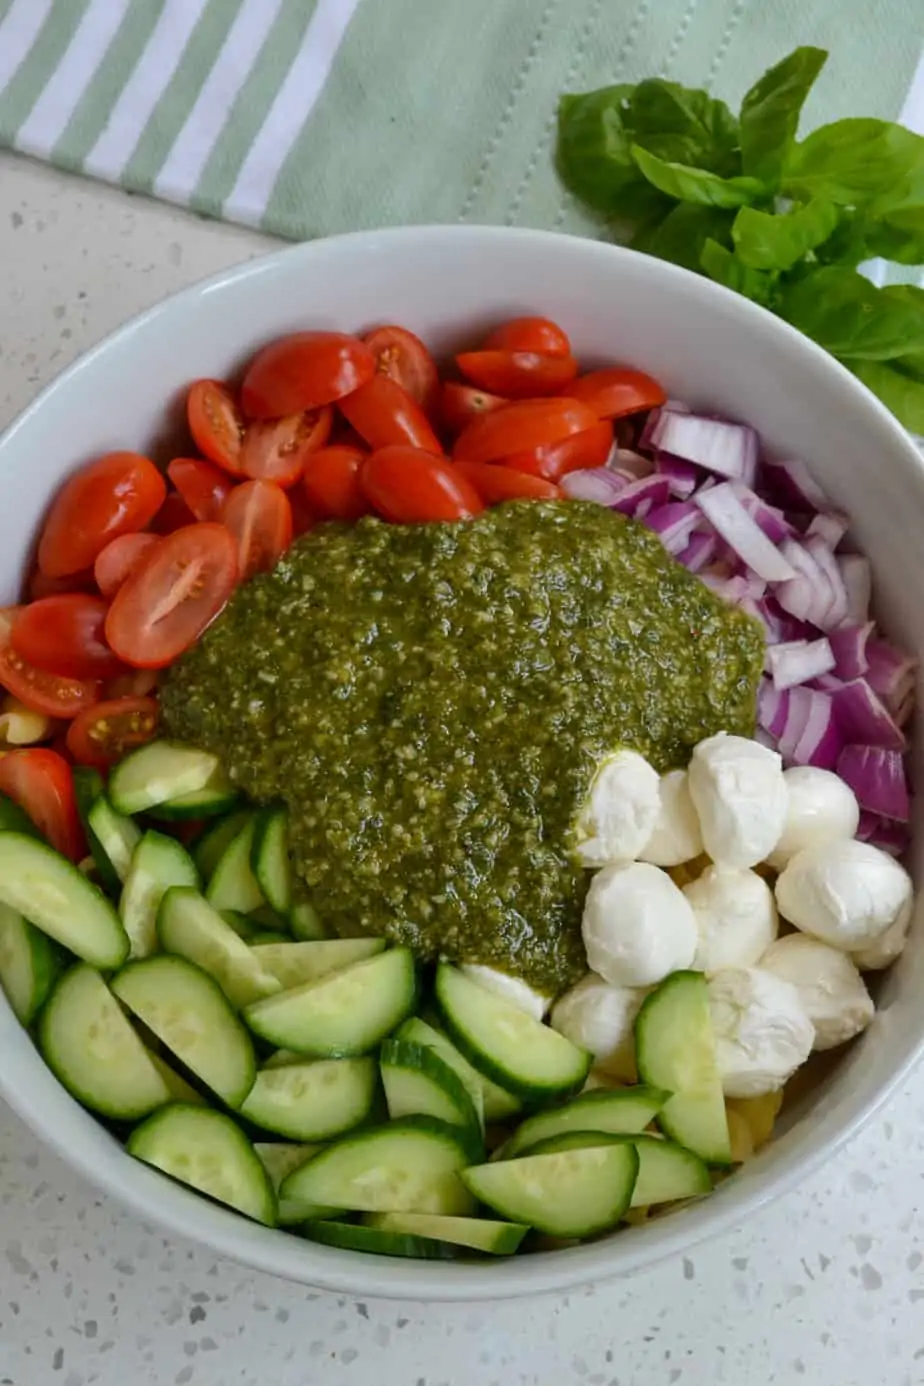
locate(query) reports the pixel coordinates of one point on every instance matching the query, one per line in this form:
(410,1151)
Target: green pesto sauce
(431,703)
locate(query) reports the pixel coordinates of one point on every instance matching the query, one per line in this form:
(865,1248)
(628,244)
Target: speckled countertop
(825,1286)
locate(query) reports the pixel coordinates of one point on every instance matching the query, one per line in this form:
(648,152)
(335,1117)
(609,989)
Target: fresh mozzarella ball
(845,893)
(762,1032)
(739,794)
(832,991)
(676,837)
(637,926)
(600,1018)
(820,808)
(512,989)
(621,810)
(735,916)
(886,948)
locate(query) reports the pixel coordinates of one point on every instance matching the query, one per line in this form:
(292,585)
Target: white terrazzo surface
(826,1286)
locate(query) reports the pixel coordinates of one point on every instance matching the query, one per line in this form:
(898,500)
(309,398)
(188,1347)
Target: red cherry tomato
(173,514)
(333,486)
(46,693)
(103,734)
(582,450)
(384,414)
(259,517)
(41,783)
(495,484)
(304,371)
(459,404)
(215,423)
(303,515)
(411,486)
(116,494)
(520,426)
(118,559)
(173,594)
(42,586)
(517,374)
(615,392)
(64,635)
(529,334)
(202,486)
(278,449)
(404,358)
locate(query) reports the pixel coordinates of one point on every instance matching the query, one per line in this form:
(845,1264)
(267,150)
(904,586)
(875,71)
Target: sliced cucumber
(418,1081)
(157,773)
(92,1049)
(666,1172)
(232,885)
(158,863)
(265,917)
(412,1165)
(417,1031)
(52,894)
(269,858)
(14,819)
(242,924)
(280,1160)
(305,922)
(212,841)
(189,1013)
(675,1049)
(568,1193)
(313,1100)
(516,1051)
(189,927)
(267,937)
(295,963)
(206,1150)
(113,839)
(349,1236)
(29,965)
(479,1234)
(618,1110)
(344,1013)
(177,1086)
(215,798)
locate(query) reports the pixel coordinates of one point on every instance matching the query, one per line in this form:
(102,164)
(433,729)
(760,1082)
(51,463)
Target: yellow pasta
(20,726)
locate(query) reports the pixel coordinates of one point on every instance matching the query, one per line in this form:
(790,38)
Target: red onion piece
(731,449)
(877,777)
(816,594)
(849,646)
(799,661)
(891,836)
(676,406)
(594,484)
(792,484)
(857,578)
(829,526)
(865,720)
(674,523)
(767,517)
(735,589)
(684,477)
(891,674)
(728,516)
(810,735)
(698,553)
(639,497)
(630,464)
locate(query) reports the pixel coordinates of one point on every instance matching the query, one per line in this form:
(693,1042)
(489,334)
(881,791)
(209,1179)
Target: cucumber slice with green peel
(242,924)
(617,1110)
(176,1084)
(40,884)
(212,841)
(113,839)
(412,1165)
(478,1234)
(189,1013)
(188,927)
(305,922)
(214,799)
(158,863)
(567,1193)
(232,885)
(675,1049)
(91,1047)
(14,819)
(417,1031)
(269,858)
(280,1160)
(265,917)
(295,963)
(29,965)
(343,1014)
(521,1054)
(158,773)
(266,938)
(281,1057)
(207,1151)
(417,1081)
(314,1100)
(350,1236)
(666,1172)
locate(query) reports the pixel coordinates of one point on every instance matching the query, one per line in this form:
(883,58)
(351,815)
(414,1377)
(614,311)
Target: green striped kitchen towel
(305,117)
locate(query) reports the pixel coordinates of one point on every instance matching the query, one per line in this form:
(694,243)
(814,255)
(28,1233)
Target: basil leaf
(767,242)
(851,318)
(899,390)
(696,184)
(846,246)
(899,236)
(594,155)
(770,113)
(853,161)
(684,126)
(681,235)
(725,268)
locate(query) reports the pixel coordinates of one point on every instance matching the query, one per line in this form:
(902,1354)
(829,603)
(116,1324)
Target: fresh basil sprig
(781,221)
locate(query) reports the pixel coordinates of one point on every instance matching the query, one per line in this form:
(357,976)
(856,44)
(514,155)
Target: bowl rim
(191,1216)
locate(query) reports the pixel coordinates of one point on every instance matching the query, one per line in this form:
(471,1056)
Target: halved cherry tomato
(517,374)
(582,450)
(495,484)
(134,683)
(117,560)
(41,782)
(459,404)
(173,514)
(332,483)
(116,494)
(615,392)
(259,517)
(40,585)
(47,693)
(520,426)
(411,486)
(384,415)
(304,371)
(404,358)
(215,423)
(202,486)
(303,515)
(529,334)
(173,594)
(277,450)
(64,635)
(105,733)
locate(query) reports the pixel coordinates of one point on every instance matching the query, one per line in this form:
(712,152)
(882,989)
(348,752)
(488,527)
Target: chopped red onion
(731,449)
(849,645)
(735,589)
(595,484)
(726,513)
(828,565)
(630,464)
(857,578)
(770,519)
(698,553)
(816,593)
(676,406)
(639,497)
(810,734)
(865,720)
(684,477)
(891,674)
(793,485)
(886,833)
(674,523)
(877,777)
(829,526)
(799,661)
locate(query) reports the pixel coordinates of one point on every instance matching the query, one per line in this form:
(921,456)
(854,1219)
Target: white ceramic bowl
(447,283)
